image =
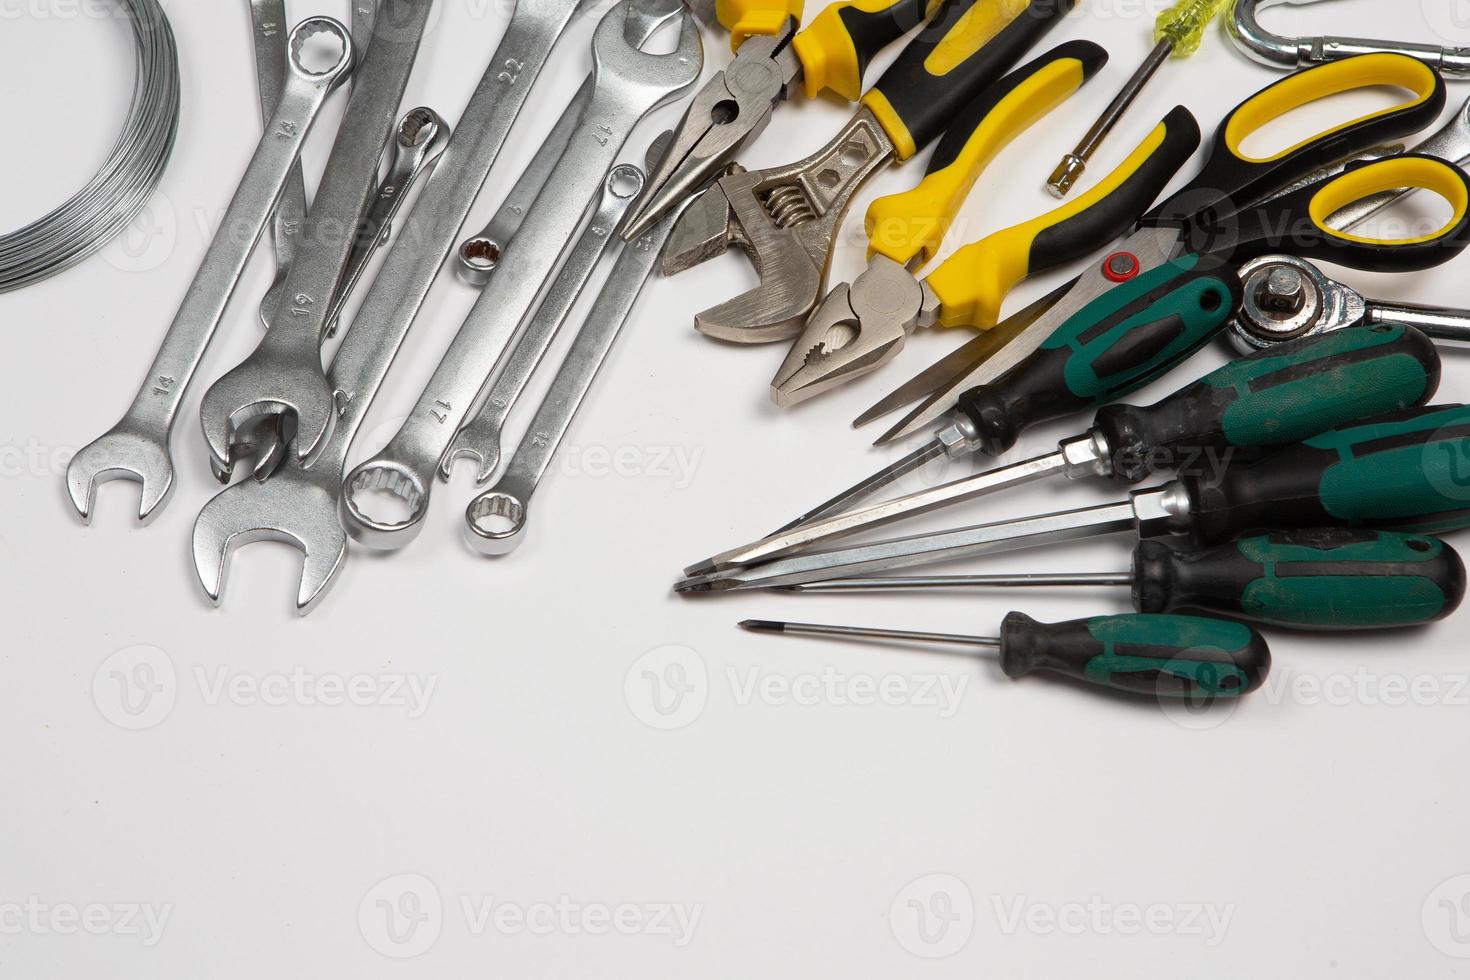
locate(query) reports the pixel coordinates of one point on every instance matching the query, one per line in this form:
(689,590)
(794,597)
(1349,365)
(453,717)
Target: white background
(586,750)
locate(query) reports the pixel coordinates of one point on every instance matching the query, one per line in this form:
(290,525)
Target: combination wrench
(289,356)
(480,254)
(137,448)
(299,506)
(480,439)
(419,140)
(495,520)
(629,84)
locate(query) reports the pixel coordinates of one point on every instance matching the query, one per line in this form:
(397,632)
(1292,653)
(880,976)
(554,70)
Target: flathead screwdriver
(1320,579)
(1178,32)
(1290,393)
(1406,472)
(1166,657)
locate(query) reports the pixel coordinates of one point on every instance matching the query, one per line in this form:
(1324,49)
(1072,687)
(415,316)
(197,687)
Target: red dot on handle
(1120,266)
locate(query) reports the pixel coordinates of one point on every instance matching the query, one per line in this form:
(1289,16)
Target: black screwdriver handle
(1274,398)
(1321,579)
(1166,657)
(1409,472)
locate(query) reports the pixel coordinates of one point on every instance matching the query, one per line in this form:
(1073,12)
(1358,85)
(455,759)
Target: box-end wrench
(137,448)
(288,362)
(495,521)
(480,254)
(299,506)
(630,84)
(480,439)
(419,141)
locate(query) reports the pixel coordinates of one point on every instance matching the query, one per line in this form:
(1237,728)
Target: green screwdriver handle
(1324,579)
(1274,398)
(1117,344)
(1407,472)
(1167,657)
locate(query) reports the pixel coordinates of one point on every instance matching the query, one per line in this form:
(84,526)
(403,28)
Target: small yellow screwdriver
(1178,32)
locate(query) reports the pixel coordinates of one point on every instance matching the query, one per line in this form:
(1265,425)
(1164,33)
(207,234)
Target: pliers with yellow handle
(861,326)
(771,58)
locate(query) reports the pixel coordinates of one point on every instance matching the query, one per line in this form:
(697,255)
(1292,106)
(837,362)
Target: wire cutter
(771,58)
(786,218)
(860,327)
(1210,214)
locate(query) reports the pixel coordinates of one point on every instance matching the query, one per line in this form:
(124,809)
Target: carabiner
(1292,53)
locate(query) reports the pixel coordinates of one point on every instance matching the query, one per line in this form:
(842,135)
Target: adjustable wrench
(479,254)
(137,448)
(284,374)
(480,439)
(495,520)
(630,84)
(297,505)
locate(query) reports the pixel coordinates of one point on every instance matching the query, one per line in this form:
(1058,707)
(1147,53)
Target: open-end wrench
(268,17)
(496,519)
(284,373)
(300,506)
(630,83)
(480,439)
(480,254)
(137,448)
(419,140)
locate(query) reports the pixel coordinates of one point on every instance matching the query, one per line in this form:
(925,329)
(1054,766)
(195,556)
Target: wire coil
(129,176)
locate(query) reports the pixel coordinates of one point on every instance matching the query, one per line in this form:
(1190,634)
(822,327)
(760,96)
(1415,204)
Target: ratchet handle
(1166,657)
(912,225)
(1274,398)
(1117,344)
(836,48)
(1329,578)
(974,282)
(967,47)
(745,19)
(1408,472)
(1232,179)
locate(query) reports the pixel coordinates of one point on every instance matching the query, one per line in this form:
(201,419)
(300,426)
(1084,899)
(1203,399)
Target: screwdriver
(1320,579)
(1161,656)
(1407,472)
(1178,32)
(1296,391)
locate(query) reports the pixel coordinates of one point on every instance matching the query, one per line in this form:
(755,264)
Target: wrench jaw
(479,441)
(233,407)
(383,477)
(128,452)
(494,523)
(297,508)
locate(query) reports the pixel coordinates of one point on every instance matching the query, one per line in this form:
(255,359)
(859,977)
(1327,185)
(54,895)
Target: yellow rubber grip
(1321,82)
(1386,175)
(973,283)
(745,19)
(832,59)
(913,224)
(976,28)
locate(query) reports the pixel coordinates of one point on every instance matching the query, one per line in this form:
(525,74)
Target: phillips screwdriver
(1161,656)
(1178,32)
(1407,472)
(1320,579)
(1310,386)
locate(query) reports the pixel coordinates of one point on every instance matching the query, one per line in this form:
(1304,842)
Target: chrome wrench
(630,84)
(480,254)
(480,439)
(299,506)
(496,519)
(420,138)
(137,448)
(284,373)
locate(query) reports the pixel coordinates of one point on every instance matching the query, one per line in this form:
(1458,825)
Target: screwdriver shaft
(870,486)
(1065,177)
(917,583)
(812,629)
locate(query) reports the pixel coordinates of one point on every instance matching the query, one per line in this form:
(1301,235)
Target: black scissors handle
(1231,179)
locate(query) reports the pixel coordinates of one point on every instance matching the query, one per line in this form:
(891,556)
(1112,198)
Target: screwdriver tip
(763,626)
(701,584)
(701,569)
